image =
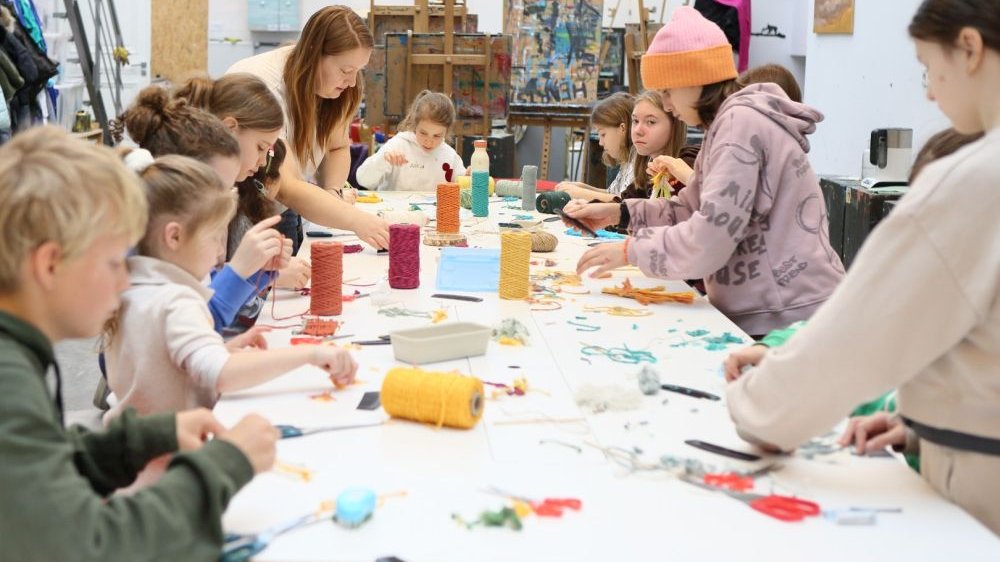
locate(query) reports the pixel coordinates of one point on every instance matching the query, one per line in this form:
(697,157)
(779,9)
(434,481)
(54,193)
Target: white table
(637,516)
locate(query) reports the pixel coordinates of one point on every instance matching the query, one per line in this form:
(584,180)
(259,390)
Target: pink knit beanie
(688,51)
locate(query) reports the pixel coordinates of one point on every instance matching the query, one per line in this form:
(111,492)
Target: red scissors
(783,508)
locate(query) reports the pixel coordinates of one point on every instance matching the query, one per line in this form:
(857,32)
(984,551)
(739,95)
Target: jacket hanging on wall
(733,17)
(31,62)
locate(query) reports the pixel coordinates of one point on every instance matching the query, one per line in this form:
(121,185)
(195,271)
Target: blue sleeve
(231,292)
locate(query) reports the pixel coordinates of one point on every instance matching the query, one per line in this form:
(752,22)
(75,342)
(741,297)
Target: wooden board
(469,92)
(179,39)
(634,50)
(556,45)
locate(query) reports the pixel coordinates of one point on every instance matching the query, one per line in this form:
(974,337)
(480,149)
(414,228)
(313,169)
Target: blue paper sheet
(469,269)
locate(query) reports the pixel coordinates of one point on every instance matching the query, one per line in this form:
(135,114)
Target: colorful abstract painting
(833,16)
(557,44)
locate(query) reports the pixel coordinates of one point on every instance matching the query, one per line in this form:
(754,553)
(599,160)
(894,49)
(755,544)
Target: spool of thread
(438,398)
(480,194)
(509,188)
(550,201)
(447,208)
(325,296)
(404,256)
(418,218)
(543,241)
(529,177)
(515,258)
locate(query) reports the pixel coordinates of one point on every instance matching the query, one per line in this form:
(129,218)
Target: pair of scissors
(783,508)
(290,431)
(240,548)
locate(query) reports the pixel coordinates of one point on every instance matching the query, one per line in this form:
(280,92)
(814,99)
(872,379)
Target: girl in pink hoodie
(752,221)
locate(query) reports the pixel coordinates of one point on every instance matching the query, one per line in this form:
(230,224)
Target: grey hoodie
(752,222)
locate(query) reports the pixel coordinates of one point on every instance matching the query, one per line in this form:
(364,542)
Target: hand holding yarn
(338,363)
(255,437)
(594,215)
(295,275)
(194,428)
(259,247)
(395,158)
(674,166)
(603,257)
(741,359)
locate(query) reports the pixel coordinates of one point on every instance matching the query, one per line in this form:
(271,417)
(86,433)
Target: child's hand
(576,190)
(337,362)
(395,158)
(604,257)
(281,260)
(742,358)
(255,437)
(594,215)
(251,339)
(194,427)
(259,246)
(295,275)
(874,432)
(349,195)
(673,166)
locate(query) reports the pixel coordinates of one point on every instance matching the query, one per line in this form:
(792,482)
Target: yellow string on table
(450,399)
(515,258)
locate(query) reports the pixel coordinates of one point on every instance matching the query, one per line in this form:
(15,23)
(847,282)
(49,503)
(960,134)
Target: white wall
(866,81)
(789,20)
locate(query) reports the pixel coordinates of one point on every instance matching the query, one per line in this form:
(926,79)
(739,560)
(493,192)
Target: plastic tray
(442,342)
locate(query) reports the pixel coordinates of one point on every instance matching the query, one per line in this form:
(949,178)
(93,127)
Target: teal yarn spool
(551,201)
(480,194)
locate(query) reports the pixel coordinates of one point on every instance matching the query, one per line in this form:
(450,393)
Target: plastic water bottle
(480,180)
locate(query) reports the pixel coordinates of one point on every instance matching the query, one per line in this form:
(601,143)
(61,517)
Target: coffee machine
(888,158)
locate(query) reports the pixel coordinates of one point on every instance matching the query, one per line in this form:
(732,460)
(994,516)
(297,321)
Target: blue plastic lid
(354,505)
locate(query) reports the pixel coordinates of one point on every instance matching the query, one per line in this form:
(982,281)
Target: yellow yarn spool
(465,182)
(515,258)
(432,397)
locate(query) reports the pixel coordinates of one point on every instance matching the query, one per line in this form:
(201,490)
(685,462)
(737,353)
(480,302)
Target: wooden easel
(448,60)
(547,117)
(636,46)
(421,13)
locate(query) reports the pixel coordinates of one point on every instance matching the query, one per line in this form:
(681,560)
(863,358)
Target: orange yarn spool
(326,297)
(448,207)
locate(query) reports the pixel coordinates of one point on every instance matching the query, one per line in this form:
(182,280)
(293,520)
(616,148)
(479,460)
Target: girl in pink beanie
(752,221)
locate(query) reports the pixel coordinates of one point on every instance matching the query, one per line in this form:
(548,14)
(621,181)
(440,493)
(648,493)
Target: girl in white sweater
(414,159)
(163,354)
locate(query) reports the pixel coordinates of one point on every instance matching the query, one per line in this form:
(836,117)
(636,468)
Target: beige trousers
(965,478)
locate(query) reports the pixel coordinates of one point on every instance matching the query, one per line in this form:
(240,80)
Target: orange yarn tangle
(447,208)
(326,297)
(652,295)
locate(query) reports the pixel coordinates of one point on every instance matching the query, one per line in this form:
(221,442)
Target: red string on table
(404,256)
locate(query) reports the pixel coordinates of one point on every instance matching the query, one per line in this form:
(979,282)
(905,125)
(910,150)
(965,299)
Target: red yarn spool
(404,256)
(326,297)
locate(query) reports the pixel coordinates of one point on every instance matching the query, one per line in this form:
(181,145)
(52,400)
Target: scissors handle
(289,431)
(241,549)
(785,508)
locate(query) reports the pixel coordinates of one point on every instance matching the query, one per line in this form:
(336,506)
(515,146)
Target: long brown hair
(614,111)
(163,125)
(244,97)
(941,21)
(712,98)
(330,31)
(430,106)
(678,136)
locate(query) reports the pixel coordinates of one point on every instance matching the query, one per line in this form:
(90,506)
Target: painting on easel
(557,44)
